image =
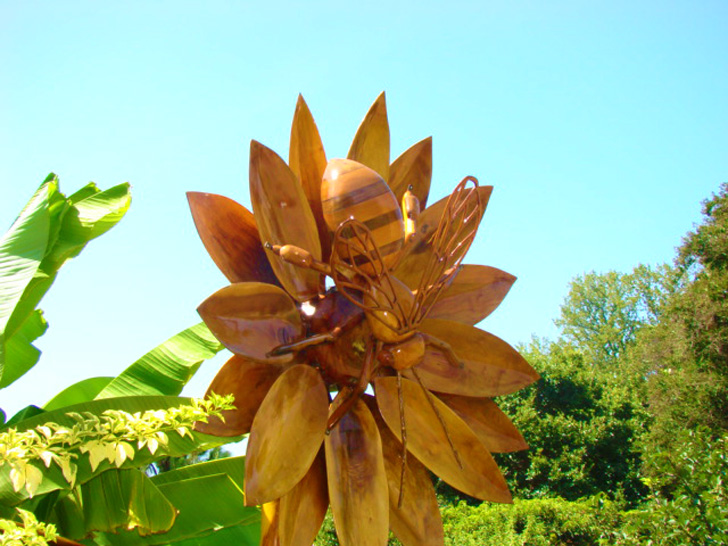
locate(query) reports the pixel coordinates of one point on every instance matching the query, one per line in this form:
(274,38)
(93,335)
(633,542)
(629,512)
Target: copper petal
(252,318)
(473,295)
(418,251)
(307,160)
(286,435)
(413,168)
(284,217)
(302,510)
(249,381)
(357,480)
(491,367)
(230,235)
(371,142)
(487,421)
(269,522)
(418,521)
(426,439)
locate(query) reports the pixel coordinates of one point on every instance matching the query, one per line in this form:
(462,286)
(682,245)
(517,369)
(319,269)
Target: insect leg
(445,348)
(359,388)
(317,339)
(298,346)
(299,257)
(429,396)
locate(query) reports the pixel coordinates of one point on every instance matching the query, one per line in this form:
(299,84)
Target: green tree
(581,427)
(603,312)
(684,356)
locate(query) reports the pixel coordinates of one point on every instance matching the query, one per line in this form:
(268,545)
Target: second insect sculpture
(398,318)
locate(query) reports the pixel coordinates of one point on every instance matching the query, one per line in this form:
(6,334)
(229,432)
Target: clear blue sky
(601,124)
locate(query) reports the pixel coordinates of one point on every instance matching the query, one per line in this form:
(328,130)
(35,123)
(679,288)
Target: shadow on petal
(248,381)
(491,367)
(357,479)
(251,319)
(474,294)
(230,235)
(284,218)
(269,515)
(488,422)
(417,522)
(428,441)
(303,509)
(286,435)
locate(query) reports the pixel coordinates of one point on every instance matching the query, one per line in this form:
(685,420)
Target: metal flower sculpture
(398,317)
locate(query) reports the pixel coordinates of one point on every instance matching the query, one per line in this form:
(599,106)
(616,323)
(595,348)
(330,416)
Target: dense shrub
(534,522)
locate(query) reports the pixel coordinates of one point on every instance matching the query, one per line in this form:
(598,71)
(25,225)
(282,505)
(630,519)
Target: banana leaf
(114,500)
(83,391)
(166,369)
(211,507)
(21,251)
(51,229)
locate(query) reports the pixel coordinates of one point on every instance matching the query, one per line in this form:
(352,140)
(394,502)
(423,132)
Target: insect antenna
(429,396)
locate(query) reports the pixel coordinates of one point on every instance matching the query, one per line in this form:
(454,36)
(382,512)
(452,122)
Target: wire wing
(360,275)
(449,244)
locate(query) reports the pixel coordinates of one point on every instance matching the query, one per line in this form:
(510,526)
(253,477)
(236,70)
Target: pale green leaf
(167,368)
(21,251)
(80,392)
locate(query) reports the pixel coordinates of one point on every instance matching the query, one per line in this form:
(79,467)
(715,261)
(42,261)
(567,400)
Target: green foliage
(51,229)
(536,522)
(76,463)
(28,532)
(688,502)
(77,443)
(580,426)
(603,312)
(164,370)
(685,355)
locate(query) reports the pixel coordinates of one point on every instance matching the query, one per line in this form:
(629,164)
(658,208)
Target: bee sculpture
(337,282)
(369,233)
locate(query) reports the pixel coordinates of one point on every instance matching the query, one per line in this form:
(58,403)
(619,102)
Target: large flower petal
(302,510)
(230,235)
(371,142)
(473,295)
(252,318)
(490,367)
(417,522)
(284,218)
(357,479)
(286,435)
(487,421)
(248,381)
(413,168)
(307,159)
(427,440)
(418,251)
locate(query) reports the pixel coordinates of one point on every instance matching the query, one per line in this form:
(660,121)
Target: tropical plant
(51,229)
(77,466)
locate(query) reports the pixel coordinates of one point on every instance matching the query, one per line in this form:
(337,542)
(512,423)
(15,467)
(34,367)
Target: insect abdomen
(352,190)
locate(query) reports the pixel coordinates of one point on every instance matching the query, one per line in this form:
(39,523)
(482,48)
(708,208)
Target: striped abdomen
(352,190)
